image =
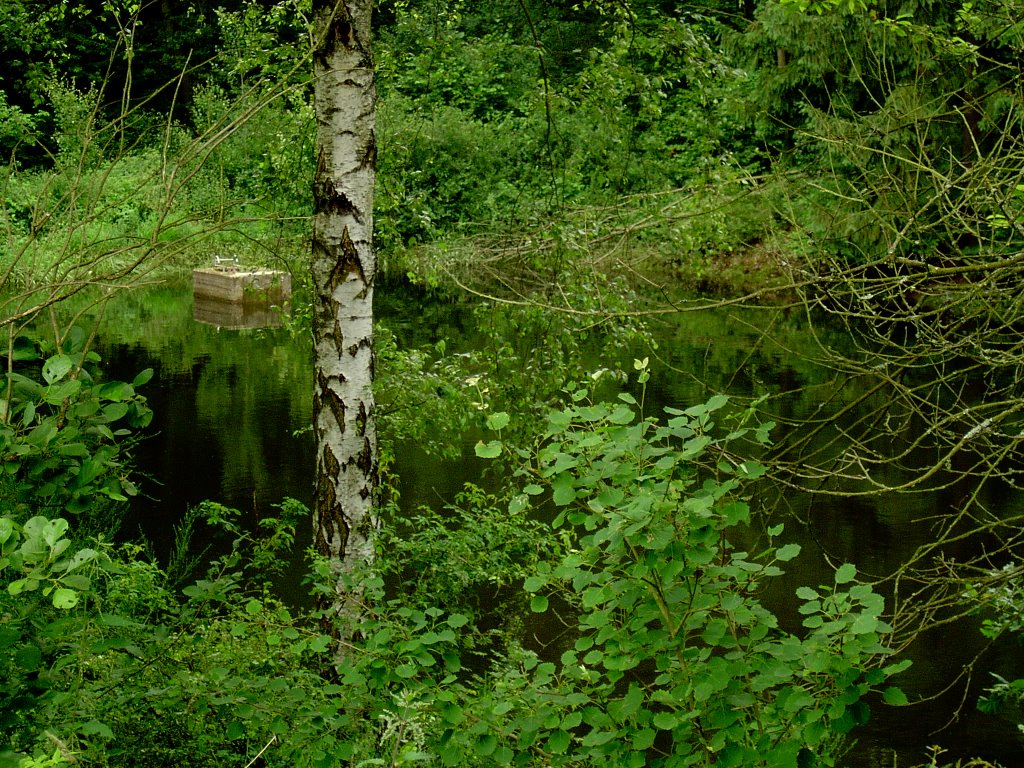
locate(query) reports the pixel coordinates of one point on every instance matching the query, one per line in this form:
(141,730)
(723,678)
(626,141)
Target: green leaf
(693,448)
(491,450)
(846,573)
(628,705)
(716,402)
(28,657)
(87,472)
(558,742)
(752,469)
(29,414)
(664,721)
(96,728)
(77,450)
(144,376)
(24,349)
(486,745)
(563,491)
(42,434)
(56,368)
(899,666)
(54,531)
(735,512)
(452,713)
(6,529)
(534,583)
(64,598)
(643,739)
(82,556)
(864,623)
(795,699)
(787,552)
(406,670)
(8,637)
(497,421)
(450,754)
(611,497)
(115,391)
(61,392)
(112,412)
(895,697)
(621,415)
(539,603)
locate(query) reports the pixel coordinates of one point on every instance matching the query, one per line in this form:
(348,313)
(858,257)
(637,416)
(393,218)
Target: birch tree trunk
(343,273)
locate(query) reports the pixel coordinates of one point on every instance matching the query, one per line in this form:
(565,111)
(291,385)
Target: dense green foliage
(223,671)
(557,159)
(63,439)
(657,579)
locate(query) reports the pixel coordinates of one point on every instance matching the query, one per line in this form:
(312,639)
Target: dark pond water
(231,407)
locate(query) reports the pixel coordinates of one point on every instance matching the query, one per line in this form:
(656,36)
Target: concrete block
(237,284)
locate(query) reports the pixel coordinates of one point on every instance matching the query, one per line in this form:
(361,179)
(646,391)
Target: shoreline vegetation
(578,167)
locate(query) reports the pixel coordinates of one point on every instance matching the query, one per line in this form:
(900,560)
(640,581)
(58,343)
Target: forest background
(579,168)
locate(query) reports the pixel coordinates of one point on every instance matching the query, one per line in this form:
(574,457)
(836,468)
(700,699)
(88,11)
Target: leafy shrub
(100,654)
(421,397)
(676,661)
(671,657)
(45,585)
(16,127)
(262,149)
(464,556)
(489,78)
(62,432)
(1004,599)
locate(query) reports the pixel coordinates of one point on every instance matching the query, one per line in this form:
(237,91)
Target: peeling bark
(343,270)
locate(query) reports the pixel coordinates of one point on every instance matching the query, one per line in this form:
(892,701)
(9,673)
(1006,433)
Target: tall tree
(343,267)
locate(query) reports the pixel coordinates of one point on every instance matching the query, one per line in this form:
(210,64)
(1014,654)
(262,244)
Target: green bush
(266,156)
(102,658)
(675,660)
(670,657)
(1003,598)
(63,433)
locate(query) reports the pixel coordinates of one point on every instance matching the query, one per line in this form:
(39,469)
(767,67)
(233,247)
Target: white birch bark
(343,268)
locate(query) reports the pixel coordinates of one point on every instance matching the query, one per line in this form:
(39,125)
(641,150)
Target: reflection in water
(235,315)
(231,406)
(227,406)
